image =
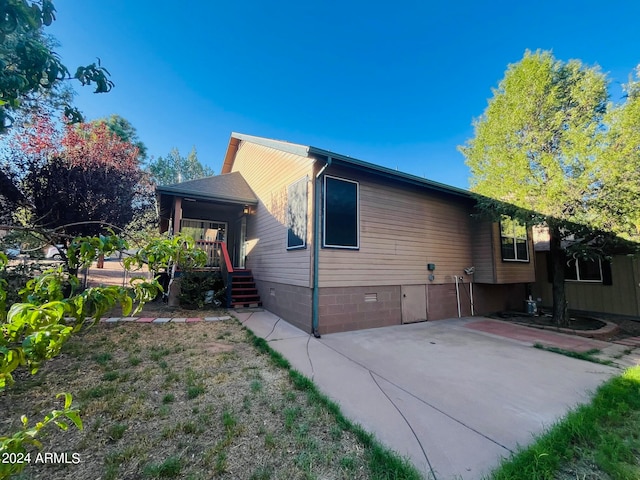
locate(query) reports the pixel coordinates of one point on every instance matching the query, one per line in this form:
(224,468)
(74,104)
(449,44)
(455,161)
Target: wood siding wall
(487,257)
(482,248)
(269,172)
(620,298)
(513,272)
(402,229)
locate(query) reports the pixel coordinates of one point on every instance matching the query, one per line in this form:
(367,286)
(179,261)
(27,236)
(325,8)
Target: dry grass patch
(191,401)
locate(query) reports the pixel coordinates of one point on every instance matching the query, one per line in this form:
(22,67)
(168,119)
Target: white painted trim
(515,248)
(579,280)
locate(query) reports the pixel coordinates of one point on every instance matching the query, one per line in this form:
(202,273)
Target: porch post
(177,215)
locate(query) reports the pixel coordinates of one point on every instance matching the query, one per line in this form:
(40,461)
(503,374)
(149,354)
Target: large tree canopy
(617,204)
(174,168)
(550,149)
(127,132)
(84,174)
(27,62)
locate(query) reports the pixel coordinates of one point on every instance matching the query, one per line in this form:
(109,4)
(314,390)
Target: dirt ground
(194,401)
(112,273)
(629,327)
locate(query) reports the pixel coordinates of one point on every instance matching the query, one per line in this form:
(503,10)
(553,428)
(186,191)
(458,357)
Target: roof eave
(389,173)
(202,196)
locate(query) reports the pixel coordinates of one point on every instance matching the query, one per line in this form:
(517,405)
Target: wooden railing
(218,257)
(226,268)
(213,251)
(226,265)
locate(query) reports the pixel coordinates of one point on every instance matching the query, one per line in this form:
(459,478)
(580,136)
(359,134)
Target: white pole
(471,294)
(458,295)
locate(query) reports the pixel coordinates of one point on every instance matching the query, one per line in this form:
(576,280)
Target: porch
(239,283)
(215,212)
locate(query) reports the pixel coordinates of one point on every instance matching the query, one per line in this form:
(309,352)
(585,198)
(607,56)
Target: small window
(513,240)
(341,222)
(580,270)
(297,214)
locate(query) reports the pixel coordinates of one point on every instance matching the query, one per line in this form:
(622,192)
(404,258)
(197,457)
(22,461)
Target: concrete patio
(455,396)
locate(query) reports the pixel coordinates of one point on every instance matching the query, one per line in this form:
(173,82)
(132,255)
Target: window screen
(340,213)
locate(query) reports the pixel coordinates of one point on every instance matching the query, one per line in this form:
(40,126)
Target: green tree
(28,64)
(175,168)
(540,152)
(616,207)
(126,132)
(65,179)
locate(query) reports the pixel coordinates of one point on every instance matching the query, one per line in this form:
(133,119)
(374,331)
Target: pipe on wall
(317,208)
(457,295)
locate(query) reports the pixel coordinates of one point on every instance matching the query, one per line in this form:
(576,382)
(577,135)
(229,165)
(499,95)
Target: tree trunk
(558,261)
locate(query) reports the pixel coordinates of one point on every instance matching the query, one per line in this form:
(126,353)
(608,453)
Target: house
(332,243)
(591,286)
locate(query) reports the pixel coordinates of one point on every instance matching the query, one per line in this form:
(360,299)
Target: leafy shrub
(35,329)
(15,279)
(195,285)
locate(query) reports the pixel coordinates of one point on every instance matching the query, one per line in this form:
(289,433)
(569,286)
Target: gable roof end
(236,138)
(336,158)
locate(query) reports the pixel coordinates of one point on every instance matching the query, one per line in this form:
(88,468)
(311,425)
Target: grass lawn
(596,441)
(190,401)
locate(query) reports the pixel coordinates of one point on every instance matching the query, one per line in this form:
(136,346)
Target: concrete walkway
(454,396)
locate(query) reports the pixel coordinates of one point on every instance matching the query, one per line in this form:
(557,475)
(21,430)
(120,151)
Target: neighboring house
(596,286)
(334,243)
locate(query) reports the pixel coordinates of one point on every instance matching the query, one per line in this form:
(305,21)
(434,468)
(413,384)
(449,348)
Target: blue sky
(393,83)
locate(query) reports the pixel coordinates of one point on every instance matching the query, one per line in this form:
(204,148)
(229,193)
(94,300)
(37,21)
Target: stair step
(241,273)
(246,304)
(243,289)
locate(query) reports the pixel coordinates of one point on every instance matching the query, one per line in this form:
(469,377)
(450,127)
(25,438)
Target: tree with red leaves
(85,173)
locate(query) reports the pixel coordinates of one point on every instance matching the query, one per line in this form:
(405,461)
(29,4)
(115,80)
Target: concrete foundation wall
(290,302)
(352,308)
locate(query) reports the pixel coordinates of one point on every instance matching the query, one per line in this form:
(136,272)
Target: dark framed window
(341,213)
(297,214)
(513,240)
(581,270)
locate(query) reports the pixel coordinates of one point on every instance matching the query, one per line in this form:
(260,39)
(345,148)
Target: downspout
(317,193)
(457,295)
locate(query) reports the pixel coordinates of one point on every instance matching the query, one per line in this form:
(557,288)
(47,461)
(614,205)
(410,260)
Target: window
(297,214)
(581,270)
(204,230)
(341,222)
(513,240)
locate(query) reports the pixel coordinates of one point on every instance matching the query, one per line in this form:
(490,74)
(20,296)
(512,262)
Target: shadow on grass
(602,435)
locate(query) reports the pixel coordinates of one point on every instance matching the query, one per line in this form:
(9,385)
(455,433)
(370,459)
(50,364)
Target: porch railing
(218,257)
(213,251)
(226,268)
